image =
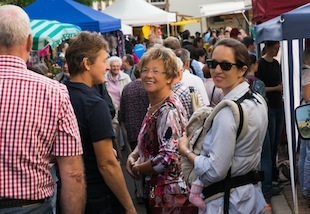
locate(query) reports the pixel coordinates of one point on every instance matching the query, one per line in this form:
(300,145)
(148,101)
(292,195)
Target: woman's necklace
(152,108)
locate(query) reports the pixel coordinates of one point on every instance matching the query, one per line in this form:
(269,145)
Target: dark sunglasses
(225,66)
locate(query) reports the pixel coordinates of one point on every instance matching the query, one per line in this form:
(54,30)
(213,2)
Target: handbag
(170,203)
(196,104)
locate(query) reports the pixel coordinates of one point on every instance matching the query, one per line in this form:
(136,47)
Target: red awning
(263,10)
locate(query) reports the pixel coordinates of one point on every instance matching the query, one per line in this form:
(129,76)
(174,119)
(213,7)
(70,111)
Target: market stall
(290,29)
(72,12)
(53,33)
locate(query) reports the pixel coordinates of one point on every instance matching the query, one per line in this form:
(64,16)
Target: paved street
(130,185)
(282,204)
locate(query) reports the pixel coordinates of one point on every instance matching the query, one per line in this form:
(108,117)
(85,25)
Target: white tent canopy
(126,29)
(223,8)
(139,13)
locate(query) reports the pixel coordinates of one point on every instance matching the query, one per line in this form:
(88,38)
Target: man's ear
(180,74)
(187,64)
(86,64)
(29,43)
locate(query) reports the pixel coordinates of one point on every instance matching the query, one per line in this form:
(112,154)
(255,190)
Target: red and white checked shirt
(36,121)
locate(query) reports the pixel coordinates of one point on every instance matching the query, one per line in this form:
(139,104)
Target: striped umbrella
(53,33)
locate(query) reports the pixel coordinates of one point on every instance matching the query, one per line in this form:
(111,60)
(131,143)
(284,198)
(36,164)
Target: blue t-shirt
(95,124)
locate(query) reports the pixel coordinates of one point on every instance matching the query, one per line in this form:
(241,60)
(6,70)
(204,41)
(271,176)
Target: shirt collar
(238,91)
(12,62)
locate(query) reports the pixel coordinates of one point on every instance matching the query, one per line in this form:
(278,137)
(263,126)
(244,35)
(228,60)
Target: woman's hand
(183,144)
(279,87)
(131,160)
(138,161)
(135,168)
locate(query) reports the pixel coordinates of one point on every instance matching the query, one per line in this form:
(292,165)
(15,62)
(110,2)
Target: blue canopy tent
(291,29)
(69,11)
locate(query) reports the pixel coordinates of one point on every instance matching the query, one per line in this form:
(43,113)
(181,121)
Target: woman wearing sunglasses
(223,159)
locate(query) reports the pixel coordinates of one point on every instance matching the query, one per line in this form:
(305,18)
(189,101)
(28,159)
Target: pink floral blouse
(158,142)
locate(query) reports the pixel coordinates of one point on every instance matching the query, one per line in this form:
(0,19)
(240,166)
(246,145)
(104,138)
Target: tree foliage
(21,3)
(24,3)
(86,2)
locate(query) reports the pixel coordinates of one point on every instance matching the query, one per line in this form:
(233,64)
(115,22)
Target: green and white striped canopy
(51,33)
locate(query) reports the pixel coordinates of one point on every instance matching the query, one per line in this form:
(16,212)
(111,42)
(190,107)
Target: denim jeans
(276,122)
(55,179)
(304,166)
(266,165)
(45,208)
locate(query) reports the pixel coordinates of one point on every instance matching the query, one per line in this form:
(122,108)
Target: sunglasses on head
(225,66)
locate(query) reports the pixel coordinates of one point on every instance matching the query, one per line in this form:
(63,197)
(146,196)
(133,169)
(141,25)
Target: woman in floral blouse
(156,156)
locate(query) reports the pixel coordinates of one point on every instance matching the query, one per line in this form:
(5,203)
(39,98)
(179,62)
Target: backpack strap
(212,94)
(237,111)
(241,120)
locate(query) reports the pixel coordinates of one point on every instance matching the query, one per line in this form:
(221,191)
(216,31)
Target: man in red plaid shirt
(37,122)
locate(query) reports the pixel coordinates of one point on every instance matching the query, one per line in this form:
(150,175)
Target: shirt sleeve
(67,139)
(100,122)
(198,69)
(169,130)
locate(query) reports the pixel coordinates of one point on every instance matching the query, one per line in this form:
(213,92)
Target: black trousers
(108,204)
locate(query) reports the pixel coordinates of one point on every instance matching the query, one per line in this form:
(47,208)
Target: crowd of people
(61,139)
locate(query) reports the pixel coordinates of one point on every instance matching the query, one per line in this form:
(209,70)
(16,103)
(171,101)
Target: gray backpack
(199,124)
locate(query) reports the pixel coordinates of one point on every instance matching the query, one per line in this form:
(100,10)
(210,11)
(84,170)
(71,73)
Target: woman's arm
(145,168)
(170,126)
(112,173)
(274,88)
(184,149)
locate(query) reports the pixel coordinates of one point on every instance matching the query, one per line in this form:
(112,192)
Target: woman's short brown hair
(84,45)
(164,54)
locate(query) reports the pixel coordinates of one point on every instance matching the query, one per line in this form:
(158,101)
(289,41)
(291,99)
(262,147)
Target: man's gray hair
(14,25)
(183,54)
(180,63)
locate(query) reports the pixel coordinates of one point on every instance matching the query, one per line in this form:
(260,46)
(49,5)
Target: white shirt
(192,80)
(220,152)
